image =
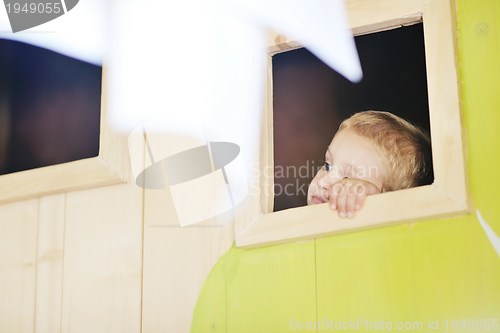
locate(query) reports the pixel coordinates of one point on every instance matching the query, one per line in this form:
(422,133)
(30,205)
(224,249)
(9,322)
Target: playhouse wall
(97,261)
(424,272)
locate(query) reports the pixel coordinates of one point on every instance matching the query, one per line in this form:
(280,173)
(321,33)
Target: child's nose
(328,180)
(324,184)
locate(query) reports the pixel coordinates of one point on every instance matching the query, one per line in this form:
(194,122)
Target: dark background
(49,107)
(310,100)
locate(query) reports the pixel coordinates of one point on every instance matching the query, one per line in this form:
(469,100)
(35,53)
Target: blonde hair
(403,147)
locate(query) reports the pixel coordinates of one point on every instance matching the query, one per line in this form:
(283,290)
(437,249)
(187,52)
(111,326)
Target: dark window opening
(310,100)
(50,108)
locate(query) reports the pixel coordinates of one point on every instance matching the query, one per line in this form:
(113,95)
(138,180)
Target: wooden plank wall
(18,259)
(177,261)
(108,259)
(72,262)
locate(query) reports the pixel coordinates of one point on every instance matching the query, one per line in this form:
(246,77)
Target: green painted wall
(432,270)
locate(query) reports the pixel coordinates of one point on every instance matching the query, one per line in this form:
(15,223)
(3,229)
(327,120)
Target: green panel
(265,289)
(365,276)
(433,270)
(210,312)
(456,271)
(479,54)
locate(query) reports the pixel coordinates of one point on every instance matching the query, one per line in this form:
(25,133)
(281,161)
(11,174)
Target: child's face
(348,156)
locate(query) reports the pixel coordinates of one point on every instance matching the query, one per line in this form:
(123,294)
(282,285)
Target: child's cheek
(313,188)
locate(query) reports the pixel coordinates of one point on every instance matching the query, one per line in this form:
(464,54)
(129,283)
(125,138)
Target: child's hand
(348,195)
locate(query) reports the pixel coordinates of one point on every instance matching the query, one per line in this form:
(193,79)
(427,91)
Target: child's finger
(341,202)
(361,193)
(350,201)
(335,190)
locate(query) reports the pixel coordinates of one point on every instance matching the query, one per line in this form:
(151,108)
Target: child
(372,152)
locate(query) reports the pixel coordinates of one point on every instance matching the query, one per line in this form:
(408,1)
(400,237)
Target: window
(51,107)
(310,100)
(53,135)
(446,196)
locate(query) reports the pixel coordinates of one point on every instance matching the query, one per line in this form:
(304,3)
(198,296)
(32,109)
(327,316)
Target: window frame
(257,225)
(111,166)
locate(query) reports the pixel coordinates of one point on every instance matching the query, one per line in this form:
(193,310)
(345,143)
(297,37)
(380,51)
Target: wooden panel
(267,146)
(373,15)
(259,199)
(18,238)
(55,179)
(103,260)
(384,209)
(113,145)
(176,262)
(444,110)
(50,264)
(366,16)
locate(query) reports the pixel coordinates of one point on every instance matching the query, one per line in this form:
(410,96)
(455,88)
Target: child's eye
(328,166)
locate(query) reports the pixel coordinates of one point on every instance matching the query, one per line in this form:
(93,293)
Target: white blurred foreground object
(79,33)
(205,175)
(193,62)
(205,60)
(203,64)
(492,236)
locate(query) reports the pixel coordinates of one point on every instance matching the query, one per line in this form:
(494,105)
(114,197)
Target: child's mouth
(317,200)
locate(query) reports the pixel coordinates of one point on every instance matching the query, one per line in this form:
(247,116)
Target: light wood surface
(450,172)
(447,196)
(317,221)
(18,254)
(176,262)
(49,274)
(369,16)
(103,260)
(87,173)
(113,145)
(364,16)
(257,200)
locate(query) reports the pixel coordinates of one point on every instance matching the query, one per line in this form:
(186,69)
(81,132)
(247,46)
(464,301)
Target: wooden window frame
(256,225)
(111,166)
